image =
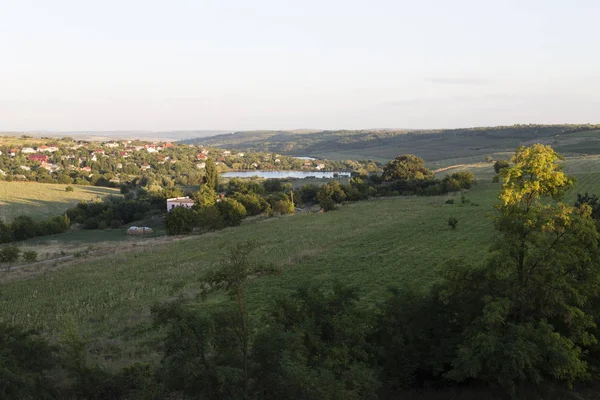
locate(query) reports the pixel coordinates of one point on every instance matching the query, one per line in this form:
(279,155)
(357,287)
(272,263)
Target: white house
(179,202)
(28,150)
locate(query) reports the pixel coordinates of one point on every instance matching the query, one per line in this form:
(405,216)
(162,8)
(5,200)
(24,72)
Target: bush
(116,224)
(9,254)
(210,219)
(232,212)
(23,228)
(30,255)
(450,201)
(69,189)
(253,203)
(283,207)
(452,222)
(180,220)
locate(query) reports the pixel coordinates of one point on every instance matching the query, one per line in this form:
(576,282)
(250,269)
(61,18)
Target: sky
(72,65)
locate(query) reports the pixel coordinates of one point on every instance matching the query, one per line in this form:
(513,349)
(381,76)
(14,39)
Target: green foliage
(9,254)
(25,361)
(211,178)
(592,201)
(452,222)
(5,233)
(232,211)
(537,286)
(69,189)
(330,194)
(273,185)
(315,348)
(281,204)
(406,168)
(23,227)
(210,219)
(205,197)
(500,165)
(30,255)
(180,220)
(252,202)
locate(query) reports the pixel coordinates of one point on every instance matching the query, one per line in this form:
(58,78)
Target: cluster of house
(40,154)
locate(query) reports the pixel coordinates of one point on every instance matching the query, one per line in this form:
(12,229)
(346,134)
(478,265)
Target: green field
(39,200)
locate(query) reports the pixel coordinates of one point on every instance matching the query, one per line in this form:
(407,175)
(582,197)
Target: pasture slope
(41,200)
(375,244)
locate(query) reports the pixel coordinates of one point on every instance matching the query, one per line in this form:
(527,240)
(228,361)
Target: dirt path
(106,250)
(450,167)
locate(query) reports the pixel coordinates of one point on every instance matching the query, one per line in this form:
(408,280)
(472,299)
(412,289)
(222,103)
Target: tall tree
(211,179)
(536,316)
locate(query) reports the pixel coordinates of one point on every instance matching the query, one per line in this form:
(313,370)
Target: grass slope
(39,200)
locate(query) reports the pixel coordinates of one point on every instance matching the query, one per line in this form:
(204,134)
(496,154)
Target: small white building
(179,202)
(28,150)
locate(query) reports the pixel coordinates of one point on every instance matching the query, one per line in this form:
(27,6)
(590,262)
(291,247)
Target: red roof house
(42,158)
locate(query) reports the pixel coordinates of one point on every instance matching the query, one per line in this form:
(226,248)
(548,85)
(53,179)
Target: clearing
(44,200)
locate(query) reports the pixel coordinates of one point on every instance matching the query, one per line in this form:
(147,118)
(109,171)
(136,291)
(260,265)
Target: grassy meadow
(40,200)
(374,244)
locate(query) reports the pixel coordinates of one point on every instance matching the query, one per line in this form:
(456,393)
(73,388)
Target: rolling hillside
(399,241)
(469,144)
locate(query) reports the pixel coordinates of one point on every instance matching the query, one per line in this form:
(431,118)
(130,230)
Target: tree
(25,360)
(232,211)
(231,278)
(211,179)
(180,220)
(330,194)
(205,197)
(207,355)
(536,317)
(406,168)
(501,164)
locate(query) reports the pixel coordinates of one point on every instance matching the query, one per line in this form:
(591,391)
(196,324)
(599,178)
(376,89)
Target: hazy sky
(258,64)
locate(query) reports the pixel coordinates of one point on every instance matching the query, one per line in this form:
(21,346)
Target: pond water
(281,174)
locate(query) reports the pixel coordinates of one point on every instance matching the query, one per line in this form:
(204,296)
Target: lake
(282,174)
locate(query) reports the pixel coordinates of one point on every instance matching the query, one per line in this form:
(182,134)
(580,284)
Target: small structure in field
(179,202)
(139,230)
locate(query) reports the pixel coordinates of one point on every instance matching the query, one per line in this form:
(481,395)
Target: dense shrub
(280,204)
(210,219)
(232,211)
(330,194)
(180,220)
(452,222)
(253,203)
(23,228)
(30,255)
(25,361)
(9,254)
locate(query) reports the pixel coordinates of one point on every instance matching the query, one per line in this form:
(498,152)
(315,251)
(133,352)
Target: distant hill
(109,135)
(381,145)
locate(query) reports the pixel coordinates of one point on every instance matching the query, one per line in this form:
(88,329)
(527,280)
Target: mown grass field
(39,200)
(375,244)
